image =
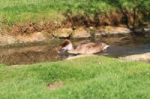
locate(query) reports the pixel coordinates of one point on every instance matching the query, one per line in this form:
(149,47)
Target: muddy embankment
(74,26)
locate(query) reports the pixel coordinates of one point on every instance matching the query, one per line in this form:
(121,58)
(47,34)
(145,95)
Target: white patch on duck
(87,48)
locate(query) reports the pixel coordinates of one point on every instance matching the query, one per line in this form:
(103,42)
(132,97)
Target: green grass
(13,11)
(20,11)
(91,77)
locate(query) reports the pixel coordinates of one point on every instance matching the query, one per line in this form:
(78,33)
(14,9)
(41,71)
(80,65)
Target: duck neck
(70,47)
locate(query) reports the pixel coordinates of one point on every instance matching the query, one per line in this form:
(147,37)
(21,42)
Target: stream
(120,46)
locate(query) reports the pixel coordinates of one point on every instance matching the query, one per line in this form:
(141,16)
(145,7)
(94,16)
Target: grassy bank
(85,78)
(21,11)
(34,10)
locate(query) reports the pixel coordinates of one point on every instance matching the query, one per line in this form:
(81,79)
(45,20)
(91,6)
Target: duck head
(65,46)
(104,46)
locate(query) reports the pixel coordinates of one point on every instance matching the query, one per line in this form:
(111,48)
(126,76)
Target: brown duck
(87,48)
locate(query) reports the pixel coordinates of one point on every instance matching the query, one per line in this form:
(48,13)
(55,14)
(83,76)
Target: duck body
(87,48)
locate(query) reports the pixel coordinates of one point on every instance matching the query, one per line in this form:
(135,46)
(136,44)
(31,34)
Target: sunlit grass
(89,77)
(14,11)
(21,11)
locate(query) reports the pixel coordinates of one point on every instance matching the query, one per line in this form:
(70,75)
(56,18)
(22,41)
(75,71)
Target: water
(119,46)
(29,54)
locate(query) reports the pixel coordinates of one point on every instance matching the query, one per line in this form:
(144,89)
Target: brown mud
(115,18)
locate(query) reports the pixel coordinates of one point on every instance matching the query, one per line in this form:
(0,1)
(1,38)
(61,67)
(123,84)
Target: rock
(147,30)
(34,37)
(111,30)
(7,40)
(63,32)
(41,36)
(81,33)
(138,57)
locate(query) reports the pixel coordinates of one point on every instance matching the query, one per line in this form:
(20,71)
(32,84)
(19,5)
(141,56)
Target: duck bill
(107,46)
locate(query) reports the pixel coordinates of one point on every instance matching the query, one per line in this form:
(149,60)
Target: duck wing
(93,48)
(89,48)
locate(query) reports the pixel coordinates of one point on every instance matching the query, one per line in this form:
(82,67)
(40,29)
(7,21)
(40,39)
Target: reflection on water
(120,51)
(28,55)
(120,46)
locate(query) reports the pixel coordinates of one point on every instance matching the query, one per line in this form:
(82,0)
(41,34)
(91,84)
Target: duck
(85,48)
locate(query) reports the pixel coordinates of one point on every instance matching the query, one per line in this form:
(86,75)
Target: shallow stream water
(119,46)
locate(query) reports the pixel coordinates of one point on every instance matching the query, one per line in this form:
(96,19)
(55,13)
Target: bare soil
(55,85)
(72,21)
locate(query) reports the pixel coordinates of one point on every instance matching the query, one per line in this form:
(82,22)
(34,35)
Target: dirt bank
(74,26)
(114,18)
